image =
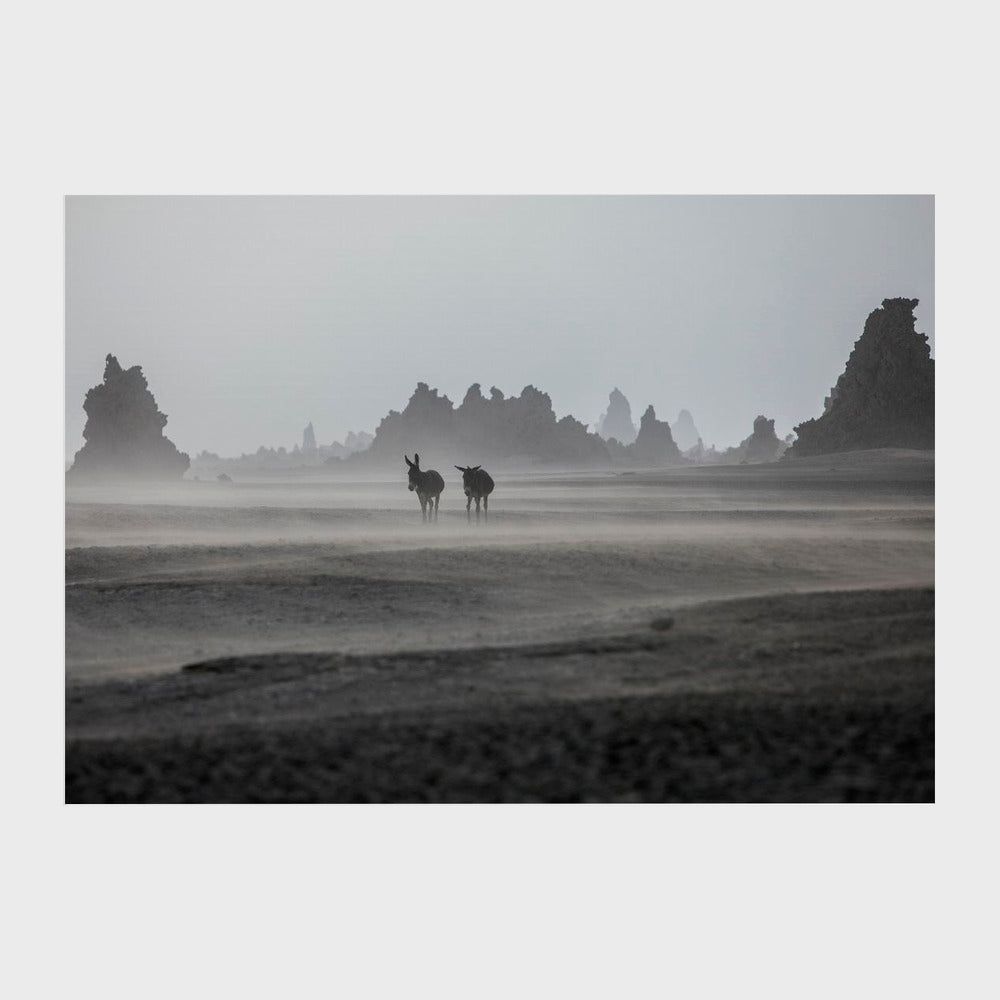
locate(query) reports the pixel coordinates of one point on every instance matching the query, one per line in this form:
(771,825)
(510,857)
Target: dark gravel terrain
(822,697)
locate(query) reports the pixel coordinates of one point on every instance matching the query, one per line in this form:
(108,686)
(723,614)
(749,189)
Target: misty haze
(500,499)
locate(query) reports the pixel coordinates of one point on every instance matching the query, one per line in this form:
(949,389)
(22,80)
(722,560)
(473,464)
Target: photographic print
(613,499)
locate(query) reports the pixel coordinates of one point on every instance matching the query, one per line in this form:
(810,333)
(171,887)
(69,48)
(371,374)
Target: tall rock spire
(616,421)
(654,444)
(124,430)
(885,397)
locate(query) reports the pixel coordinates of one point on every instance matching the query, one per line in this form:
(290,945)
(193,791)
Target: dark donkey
(478,485)
(428,486)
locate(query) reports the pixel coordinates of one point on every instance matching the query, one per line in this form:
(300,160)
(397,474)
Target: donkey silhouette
(478,485)
(427,485)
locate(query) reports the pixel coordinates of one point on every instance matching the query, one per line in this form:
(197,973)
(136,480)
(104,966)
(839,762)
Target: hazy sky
(253,316)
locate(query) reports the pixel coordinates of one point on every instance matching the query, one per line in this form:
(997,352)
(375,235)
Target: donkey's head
(468,477)
(414,468)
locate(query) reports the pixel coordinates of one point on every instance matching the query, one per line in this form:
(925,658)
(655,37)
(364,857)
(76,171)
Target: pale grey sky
(253,316)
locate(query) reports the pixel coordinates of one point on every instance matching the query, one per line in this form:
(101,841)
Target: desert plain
(751,633)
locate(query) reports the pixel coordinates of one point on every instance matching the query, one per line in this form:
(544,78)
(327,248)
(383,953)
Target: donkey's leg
(437,504)
(423,508)
(477,508)
(486,507)
(468,508)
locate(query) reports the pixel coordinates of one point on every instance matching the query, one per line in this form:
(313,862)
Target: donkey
(478,485)
(428,486)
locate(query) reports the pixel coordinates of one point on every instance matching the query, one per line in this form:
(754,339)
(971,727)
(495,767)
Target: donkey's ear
(416,461)
(408,462)
(475,468)
(460,469)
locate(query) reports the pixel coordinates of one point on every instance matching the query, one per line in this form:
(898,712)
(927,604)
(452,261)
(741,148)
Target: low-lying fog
(157,577)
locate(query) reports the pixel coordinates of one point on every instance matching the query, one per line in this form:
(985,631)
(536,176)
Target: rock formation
(697,452)
(684,431)
(516,429)
(356,441)
(268,460)
(616,421)
(309,438)
(763,445)
(885,397)
(124,431)
(427,416)
(654,444)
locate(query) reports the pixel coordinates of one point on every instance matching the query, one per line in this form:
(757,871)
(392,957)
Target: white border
(539,98)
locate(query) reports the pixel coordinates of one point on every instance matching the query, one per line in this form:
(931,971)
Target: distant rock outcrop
(310,456)
(517,429)
(514,430)
(763,445)
(684,431)
(428,416)
(309,438)
(654,444)
(616,421)
(885,397)
(697,452)
(124,431)
(357,441)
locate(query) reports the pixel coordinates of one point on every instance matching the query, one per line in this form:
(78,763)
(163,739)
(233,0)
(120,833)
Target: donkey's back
(434,483)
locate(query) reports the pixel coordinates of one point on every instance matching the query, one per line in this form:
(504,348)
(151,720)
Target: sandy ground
(334,648)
